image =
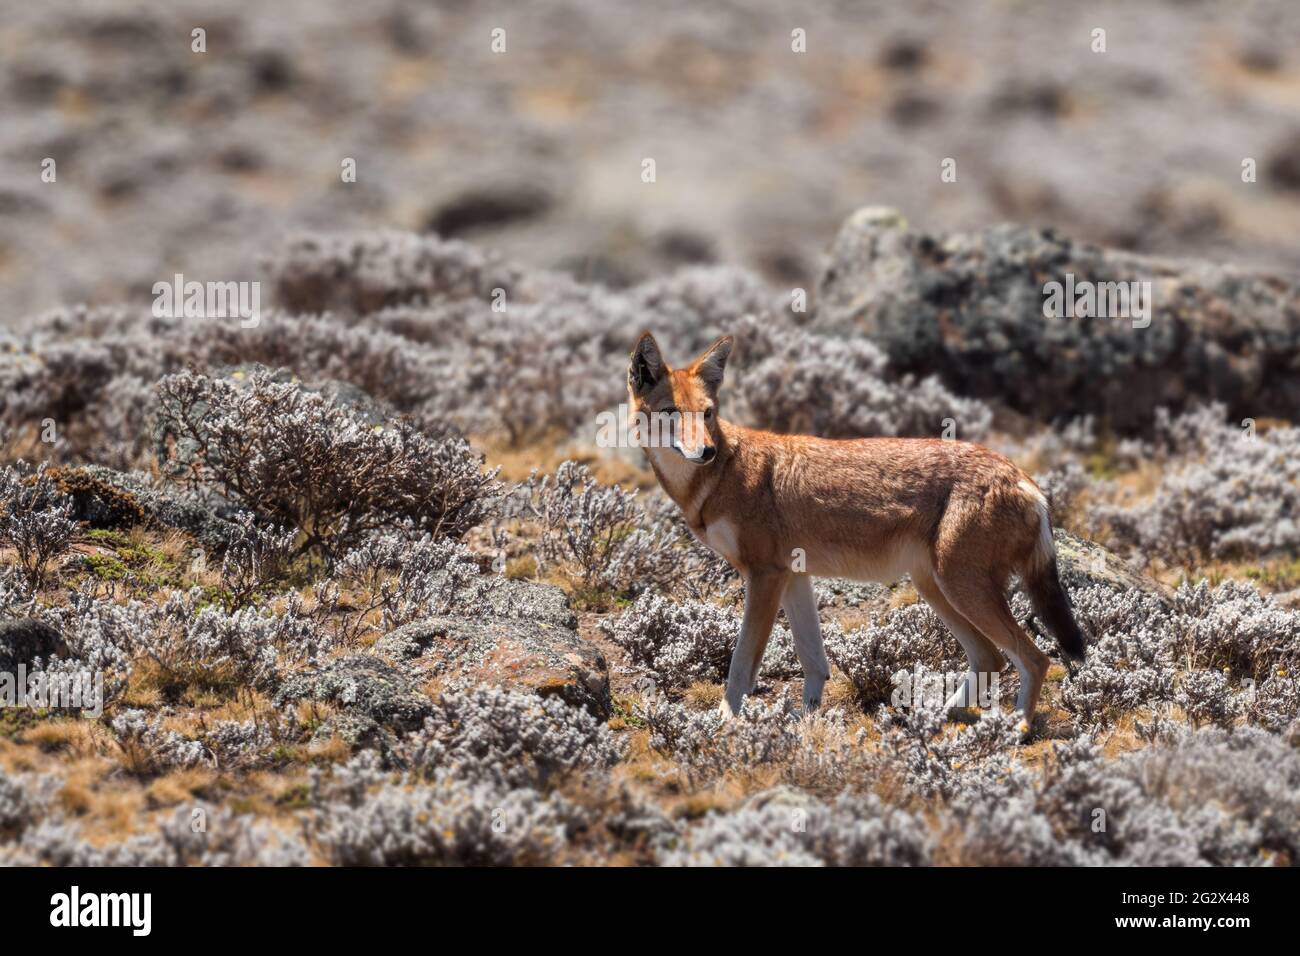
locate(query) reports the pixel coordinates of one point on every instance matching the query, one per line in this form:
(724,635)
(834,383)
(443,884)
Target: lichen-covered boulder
(211,523)
(24,639)
(970,308)
(364,685)
(525,600)
(547,657)
(1081,562)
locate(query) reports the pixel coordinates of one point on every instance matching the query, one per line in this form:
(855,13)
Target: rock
(211,524)
(97,502)
(24,639)
(530,655)
(489,206)
(542,603)
(970,308)
(365,685)
(1081,562)
(358,731)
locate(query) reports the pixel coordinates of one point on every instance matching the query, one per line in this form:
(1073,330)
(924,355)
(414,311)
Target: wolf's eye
(708,414)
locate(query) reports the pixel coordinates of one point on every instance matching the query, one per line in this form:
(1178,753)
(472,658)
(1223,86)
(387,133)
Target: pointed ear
(710,366)
(647,366)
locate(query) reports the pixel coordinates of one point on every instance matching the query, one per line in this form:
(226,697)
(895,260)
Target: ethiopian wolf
(958,518)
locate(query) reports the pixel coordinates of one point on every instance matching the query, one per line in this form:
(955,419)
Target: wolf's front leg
(800,604)
(762,598)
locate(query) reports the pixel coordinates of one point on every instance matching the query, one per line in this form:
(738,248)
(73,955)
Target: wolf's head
(680,406)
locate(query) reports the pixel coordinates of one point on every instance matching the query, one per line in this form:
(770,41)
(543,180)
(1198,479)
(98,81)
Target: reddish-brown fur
(957,517)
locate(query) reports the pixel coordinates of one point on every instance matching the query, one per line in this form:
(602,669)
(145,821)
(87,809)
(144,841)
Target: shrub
(186,639)
(95,501)
(1206,698)
(937,761)
(36,521)
(850,831)
(909,636)
(255,560)
(511,738)
(297,459)
(149,748)
(1226,492)
(1237,646)
(363,817)
(840,388)
(815,752)
(24,801)
(1191,798)
(1130,663)
(598,528)
(681,643)
(224,839)
(406,580)
(319,273)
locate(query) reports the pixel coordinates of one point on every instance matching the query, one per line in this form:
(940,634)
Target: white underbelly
(868,563)
(880,563)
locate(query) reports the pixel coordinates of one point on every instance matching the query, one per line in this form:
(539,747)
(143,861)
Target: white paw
(725,711)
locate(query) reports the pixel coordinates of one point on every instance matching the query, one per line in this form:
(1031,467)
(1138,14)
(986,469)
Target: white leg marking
(800,604)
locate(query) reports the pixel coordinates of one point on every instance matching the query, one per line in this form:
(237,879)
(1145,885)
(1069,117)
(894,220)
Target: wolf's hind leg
(800,605)
(983,602)
(981,653)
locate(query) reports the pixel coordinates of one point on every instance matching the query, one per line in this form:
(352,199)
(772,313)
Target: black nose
(708,454)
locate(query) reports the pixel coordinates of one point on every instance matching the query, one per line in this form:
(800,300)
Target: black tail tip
(1072,645)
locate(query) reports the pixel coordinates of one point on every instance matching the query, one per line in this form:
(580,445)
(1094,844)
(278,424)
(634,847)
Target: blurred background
(174,161)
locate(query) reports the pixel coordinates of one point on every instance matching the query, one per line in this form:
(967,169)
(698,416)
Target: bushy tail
(1052,604)
(1042,582)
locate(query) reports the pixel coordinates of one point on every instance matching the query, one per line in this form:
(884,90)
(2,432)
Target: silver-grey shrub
(600,529)
(1226,491)
(187,638)
(35,520)
(511,738)
(841,388)
(297,459)
(405,577)
(851,830)
(196,836)
(908,636)
(816,752)
(364,817)
(688,641)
